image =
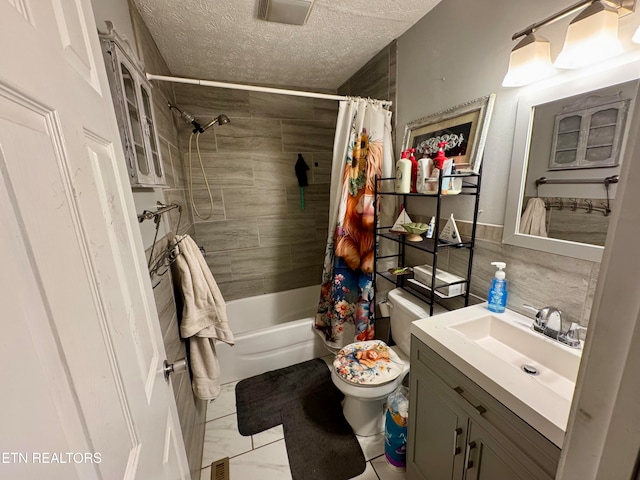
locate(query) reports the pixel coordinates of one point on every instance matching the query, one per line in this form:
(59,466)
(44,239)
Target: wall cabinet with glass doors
(131,93)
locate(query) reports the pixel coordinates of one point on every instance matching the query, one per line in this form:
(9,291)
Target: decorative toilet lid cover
(368,363)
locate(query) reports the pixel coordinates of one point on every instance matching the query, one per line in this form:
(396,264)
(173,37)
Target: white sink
(524,349)
(493,350)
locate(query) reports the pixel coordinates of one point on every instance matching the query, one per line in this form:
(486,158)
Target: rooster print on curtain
(347,293)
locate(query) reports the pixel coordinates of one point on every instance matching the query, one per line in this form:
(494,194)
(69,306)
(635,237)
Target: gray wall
(258,240)
(458,52)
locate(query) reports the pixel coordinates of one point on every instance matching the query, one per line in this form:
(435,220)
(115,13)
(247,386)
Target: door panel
(30,343)
(491,459)
(22,7)
(436,446)
(111,258)
(74,39)
(84,344)
(104,409)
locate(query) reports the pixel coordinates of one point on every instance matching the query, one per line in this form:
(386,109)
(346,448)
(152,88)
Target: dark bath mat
(260,399)
(320,443)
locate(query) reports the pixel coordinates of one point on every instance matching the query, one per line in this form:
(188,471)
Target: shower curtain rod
(253,88)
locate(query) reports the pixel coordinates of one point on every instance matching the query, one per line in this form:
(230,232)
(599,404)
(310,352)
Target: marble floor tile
(368,474)
(372,446)
(225,404)
(222,439)
(268,436)
(266,463)
(384,471)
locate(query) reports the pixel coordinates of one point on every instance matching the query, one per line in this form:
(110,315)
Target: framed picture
(463,127)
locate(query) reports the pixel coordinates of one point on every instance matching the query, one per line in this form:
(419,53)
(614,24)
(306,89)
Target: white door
(82,393)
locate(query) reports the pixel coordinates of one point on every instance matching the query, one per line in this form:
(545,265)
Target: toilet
(367,386)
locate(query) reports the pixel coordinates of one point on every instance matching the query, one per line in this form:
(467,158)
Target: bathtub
(271,331)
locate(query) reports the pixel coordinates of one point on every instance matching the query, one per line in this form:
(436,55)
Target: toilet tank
(405,308)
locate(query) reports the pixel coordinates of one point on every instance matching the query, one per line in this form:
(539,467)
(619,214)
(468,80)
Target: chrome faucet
(549,322)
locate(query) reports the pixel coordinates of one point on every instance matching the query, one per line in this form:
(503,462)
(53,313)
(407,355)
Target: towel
(204,316)
(534,218)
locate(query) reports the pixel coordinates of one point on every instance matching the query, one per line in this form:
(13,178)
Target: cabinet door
(437,433)
(488,459)
(135,120)
(153,152)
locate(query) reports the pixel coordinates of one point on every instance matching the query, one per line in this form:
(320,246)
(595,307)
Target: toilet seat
(368,364)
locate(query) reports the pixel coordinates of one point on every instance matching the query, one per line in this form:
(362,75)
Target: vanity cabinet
(132,100)
(428,248)
(458,431)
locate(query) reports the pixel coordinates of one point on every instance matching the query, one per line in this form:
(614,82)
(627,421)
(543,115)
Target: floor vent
(220,469)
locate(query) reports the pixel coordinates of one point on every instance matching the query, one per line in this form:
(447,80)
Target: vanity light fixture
(530,61)
(591,37)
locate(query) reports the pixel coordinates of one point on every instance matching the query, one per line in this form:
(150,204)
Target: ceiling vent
(293,12)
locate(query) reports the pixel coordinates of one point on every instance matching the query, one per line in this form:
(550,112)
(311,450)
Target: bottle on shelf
(498,291)
(443,166)
(440,158)
(432,225)
(403,174)
(423,182)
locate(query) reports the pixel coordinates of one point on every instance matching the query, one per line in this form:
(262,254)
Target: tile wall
(258,240)
(191,411)
(535,278)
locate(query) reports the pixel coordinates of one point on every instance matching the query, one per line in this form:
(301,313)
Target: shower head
(219,120)
(187,117)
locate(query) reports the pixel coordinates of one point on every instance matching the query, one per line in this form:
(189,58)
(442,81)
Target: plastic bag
(395,431)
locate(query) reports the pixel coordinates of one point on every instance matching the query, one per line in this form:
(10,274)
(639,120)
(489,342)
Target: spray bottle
(440,158)
(498,290)
(443,166)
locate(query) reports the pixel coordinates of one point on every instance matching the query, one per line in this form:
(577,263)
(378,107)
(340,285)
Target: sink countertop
(543,406)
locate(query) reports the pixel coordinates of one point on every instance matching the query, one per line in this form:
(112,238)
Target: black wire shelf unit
(429,293)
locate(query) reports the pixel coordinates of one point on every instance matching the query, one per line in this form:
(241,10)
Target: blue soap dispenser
(498,290)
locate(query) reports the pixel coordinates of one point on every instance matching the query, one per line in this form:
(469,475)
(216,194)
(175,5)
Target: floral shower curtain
(362,149)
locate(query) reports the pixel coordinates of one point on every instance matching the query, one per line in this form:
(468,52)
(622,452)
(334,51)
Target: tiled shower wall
(258,239)
(191,411)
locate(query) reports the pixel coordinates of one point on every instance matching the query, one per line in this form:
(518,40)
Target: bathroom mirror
(569,143)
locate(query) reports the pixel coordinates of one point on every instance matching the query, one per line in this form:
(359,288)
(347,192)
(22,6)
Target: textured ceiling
(223,40)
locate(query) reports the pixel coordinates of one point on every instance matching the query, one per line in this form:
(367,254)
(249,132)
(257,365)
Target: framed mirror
(569,143)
